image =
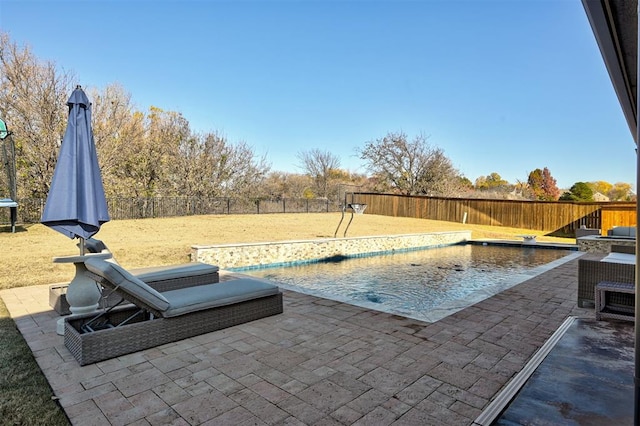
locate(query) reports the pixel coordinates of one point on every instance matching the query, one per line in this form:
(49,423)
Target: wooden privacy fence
(554,217)
(559,218)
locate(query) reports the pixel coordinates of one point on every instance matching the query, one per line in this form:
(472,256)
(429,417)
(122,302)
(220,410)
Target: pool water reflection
(426,285)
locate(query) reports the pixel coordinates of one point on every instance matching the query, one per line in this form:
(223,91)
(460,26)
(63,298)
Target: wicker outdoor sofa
(156,318)
(593,271)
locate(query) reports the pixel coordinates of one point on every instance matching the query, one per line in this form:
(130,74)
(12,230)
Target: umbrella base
(83,294)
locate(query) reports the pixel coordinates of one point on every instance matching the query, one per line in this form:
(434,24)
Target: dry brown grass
(27,255)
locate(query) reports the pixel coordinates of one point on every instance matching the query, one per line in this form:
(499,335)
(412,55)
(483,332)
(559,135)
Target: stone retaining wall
(229,256)
(599,244)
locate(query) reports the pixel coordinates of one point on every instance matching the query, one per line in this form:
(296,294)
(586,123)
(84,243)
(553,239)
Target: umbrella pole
(81,246)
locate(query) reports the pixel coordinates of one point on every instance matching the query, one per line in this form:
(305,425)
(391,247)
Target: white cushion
(620,258)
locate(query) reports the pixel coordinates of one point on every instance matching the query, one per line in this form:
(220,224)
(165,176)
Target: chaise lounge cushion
(185,300)
(164,277)
(214,295)
(173,272)
(122,279)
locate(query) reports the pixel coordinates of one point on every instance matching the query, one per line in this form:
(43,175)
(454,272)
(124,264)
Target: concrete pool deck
(321,362)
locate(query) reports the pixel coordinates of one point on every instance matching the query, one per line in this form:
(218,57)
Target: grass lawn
(25,397)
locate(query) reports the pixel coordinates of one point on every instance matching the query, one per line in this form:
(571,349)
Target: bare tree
(321,167)
(410,167)
(33,96)
(211,166)
(279,185)
(117,127)
(148,154)
(248,171)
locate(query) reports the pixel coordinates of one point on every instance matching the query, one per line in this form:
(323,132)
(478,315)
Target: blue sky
(500,86)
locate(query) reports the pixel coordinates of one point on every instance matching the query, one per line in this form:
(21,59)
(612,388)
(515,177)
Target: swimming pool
(426,285)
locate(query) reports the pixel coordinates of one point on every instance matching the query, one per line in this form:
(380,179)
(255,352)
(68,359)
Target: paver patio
(319,363)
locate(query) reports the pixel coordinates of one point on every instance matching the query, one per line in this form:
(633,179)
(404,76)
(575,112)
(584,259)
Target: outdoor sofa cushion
(185,300)
(622,231)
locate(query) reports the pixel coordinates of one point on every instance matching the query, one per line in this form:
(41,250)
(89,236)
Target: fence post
(284,205)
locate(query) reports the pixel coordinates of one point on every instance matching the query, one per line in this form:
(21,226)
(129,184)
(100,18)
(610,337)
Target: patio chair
(157,318)
(618,266)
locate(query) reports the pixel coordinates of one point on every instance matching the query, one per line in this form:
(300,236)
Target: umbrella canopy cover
(76,205)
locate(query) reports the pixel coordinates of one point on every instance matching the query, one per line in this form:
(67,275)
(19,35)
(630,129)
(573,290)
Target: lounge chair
(158,318)
(618,266)
(161,278)
(164,278)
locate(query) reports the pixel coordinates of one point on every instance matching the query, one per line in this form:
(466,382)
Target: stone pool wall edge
(269,254)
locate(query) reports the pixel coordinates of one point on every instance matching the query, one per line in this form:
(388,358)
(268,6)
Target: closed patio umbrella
(76,205)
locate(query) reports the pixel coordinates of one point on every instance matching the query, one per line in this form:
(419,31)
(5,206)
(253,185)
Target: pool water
(426,285)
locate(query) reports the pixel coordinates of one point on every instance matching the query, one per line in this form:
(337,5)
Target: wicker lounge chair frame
(593,271)
(146,328)
(623,249)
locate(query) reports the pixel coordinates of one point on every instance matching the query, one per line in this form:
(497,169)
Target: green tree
(465,183)
(492,181)
(580,191)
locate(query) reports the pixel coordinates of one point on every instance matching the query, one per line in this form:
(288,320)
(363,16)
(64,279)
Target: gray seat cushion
(622,231)
(208,296)
(171,272)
